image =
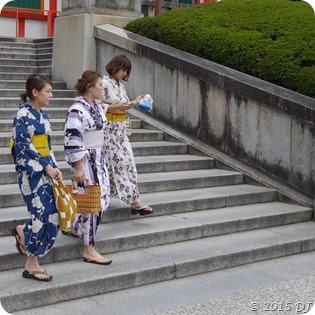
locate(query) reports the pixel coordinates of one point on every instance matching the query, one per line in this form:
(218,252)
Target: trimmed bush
(271,39)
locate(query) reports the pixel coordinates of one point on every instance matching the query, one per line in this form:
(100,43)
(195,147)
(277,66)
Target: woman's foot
(90,255)
(36,275)
(140,208)
(34,271)
(18,234)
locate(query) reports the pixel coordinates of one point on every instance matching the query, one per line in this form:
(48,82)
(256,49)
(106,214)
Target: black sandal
(19,246)
(142,210)
(69,233)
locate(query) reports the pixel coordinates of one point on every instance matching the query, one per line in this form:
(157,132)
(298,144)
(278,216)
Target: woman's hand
(53,173)
(78,173)
(138,98)
(124,106)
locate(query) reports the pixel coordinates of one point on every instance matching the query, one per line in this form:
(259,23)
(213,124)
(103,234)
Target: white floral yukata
(82,118)
(120,160)
(41,230)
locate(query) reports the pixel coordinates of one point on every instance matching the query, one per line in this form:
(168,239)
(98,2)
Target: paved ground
(279,286)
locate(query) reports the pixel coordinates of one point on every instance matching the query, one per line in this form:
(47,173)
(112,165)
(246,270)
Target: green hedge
(271,39)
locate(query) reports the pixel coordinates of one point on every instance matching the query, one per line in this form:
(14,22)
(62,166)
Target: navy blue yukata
(41,229)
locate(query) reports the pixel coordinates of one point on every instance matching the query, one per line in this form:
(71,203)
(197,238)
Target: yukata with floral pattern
(120,160)
(82,118)
(35,185)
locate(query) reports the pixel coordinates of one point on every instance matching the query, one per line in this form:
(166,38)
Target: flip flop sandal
(19,246)
(141,210)
(32,275)
(97,261)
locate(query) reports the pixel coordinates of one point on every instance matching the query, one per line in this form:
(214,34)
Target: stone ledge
(279,98)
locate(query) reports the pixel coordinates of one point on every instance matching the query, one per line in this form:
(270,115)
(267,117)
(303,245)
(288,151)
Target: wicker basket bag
(88,201)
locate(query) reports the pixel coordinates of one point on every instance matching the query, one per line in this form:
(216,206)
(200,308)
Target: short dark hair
(87,80)
(119,62)
(34,81)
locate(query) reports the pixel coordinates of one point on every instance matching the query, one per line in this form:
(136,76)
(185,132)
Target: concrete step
(215,221)
(22,45)
(25,69)
(159,181)
(44,50)
(20,84)
(44,45)
(44,56)
(166,202)
(21,56)
(17,40)
(152,164)
(53,113)
(12,102)
(58,136)
(19,76)
(56,124)
(25,62)
(19,50)
(187,179)
(58,93)
(208,293)
(153,264)
(15,44)
(170,202)
(139,149)
(166,163)
(152,231)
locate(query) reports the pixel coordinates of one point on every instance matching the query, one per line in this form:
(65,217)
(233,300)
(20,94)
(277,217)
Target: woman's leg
(32,267)
(86,226)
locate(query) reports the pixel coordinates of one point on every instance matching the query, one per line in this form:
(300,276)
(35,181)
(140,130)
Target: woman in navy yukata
(35,166)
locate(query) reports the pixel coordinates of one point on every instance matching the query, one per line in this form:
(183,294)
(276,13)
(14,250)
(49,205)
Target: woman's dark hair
(87,80)
(34,81)
(119,62)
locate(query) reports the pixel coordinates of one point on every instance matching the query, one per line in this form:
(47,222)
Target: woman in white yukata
(35,165)
(120,160)
(84,151)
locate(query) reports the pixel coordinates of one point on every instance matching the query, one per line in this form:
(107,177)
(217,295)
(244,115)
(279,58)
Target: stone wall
(259,123)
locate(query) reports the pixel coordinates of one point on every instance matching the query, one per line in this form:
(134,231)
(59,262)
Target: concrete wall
(7,26)
(35,29)
(259,123)
(74,43)
(74,47)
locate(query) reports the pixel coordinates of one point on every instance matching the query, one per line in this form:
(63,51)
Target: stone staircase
(207,216)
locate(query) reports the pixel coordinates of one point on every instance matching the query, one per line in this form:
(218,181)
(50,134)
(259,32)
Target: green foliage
(270,39)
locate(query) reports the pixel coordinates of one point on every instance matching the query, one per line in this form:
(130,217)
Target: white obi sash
(94,139)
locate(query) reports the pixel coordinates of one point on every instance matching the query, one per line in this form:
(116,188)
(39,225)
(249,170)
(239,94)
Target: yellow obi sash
(40,143)
(116,115)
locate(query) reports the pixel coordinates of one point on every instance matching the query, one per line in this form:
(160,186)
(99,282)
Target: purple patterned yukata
(120,160)
(83,118)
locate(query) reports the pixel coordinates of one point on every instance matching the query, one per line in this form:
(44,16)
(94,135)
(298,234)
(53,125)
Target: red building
(29,18)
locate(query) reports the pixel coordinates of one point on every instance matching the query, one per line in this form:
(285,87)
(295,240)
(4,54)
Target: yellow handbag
(66,205)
